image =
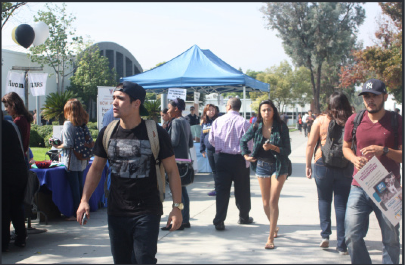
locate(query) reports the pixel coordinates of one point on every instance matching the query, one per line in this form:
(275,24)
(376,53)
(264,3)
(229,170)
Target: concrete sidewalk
(298,240)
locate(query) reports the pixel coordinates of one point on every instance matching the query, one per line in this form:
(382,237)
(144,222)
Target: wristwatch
(178,205)
(385,150)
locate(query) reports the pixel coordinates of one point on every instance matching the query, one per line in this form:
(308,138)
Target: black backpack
(332,154)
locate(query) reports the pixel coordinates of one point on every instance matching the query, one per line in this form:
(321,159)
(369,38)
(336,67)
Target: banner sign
(196,97)
(174,93)
(15,83)
(383,188)
(104,102)
(37,83)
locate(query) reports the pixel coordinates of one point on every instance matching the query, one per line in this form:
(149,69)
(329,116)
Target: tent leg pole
(244,102)
(163,103)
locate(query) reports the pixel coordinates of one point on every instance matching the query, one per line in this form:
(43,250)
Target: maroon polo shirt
(379,133)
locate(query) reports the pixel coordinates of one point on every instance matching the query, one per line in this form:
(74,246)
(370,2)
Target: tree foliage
(54,105)
(384,59)
(57,51)
(287,86)
(92,71)
(314,32)
(8,9)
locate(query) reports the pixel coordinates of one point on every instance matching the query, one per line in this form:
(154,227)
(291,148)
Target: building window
(110,57)
(136,71)
(119,65)
(129,70)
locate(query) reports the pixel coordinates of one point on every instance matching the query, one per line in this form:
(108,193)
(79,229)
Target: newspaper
(383,188)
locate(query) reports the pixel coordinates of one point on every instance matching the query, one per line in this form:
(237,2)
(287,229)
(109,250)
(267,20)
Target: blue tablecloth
(203,163)
(56,181)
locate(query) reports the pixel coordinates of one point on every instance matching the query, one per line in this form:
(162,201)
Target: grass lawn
(39,153)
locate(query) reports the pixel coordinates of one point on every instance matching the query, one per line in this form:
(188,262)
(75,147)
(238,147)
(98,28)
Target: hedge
(39,135)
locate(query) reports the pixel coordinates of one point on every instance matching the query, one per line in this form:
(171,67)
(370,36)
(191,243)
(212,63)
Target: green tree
(153,107)
(54,105)
(92,71)
(384,59)
(8,9)
(57,51)
(312,32)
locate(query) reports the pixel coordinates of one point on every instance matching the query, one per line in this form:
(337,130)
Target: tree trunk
(314,90)
(63,77)
(90,108)
(318,89)
(61,119)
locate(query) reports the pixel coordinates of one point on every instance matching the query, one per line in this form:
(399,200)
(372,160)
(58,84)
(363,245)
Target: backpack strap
(356,122)
(395,127)
(108,133)
(155,147)
(106,138)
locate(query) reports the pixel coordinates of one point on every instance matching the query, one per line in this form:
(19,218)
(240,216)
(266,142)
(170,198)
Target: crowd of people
(234,147)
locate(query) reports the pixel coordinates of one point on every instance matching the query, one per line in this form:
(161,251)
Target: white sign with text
(196,97)
(174,93)
(37,83)
(15,83)
(104,102)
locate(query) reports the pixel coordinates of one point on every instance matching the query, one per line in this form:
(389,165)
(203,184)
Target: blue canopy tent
(197,70)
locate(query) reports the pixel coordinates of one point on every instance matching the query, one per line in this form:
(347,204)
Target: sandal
(269,245)
(276,232)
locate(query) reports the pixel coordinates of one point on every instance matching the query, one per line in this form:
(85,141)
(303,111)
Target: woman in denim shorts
(269,159)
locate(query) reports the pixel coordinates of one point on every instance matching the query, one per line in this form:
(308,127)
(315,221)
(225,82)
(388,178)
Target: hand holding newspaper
(383,188)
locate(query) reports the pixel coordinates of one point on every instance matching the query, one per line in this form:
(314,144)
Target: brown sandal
(269,246)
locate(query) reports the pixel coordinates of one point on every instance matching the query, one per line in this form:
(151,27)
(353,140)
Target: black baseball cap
(135,91)
(374,86)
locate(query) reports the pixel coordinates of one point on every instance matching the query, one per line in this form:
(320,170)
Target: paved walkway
(298,241)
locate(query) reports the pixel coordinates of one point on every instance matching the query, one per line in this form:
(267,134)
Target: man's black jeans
(133,240)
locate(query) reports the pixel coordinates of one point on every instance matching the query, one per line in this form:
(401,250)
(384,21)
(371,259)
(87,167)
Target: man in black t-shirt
(192,117)
(134,206)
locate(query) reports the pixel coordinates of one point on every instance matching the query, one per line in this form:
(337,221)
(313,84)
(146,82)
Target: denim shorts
(265,170)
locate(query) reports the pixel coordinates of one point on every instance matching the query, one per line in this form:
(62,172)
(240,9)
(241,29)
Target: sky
(157,32)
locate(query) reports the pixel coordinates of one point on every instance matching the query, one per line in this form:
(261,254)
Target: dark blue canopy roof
(197,70)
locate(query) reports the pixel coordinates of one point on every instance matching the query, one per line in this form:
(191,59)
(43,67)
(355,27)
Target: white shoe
(343,253)
(324,243)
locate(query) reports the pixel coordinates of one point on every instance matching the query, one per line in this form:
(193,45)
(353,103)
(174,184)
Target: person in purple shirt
(230,165)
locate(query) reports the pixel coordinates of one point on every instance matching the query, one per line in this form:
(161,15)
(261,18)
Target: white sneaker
(343,253)
(324,243)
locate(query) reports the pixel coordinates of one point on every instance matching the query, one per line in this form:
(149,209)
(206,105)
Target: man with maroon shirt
(374,136)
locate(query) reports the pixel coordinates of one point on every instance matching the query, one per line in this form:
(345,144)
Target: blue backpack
(83,143)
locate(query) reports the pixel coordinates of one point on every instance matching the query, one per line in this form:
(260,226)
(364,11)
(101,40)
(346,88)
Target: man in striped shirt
(230,165)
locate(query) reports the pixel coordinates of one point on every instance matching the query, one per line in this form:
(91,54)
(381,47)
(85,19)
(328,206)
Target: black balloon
(25,35)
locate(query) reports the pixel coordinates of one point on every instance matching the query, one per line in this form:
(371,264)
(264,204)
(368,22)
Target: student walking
(375,136)
(181,140)
(207,150)
(269,160)
(330,179)
(134,204)
(225,135)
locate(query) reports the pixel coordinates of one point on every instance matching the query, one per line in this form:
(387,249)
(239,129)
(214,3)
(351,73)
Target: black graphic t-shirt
(133,188)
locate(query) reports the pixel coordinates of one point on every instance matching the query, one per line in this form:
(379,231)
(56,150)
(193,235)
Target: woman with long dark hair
(269,159)
(181,140)
(330,180)
(15,107)
(209,115)
(75,116)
